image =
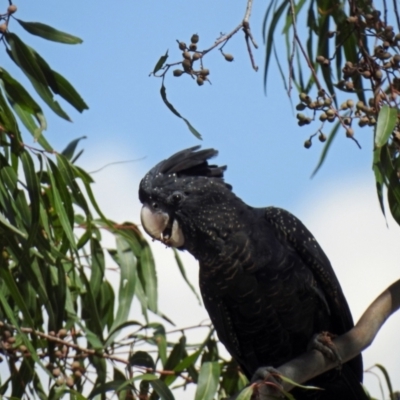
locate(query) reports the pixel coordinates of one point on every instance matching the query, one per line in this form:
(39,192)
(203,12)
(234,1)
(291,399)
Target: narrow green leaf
(29,123)
(97,266)
(33,187)
(142,359)
(326,148)
(68,92)
(18,93)
(23,56)
(148,273)
(114,332)
(49,33)
(176,354)
(174,111)
(7,119)
(270,37)
(183,273)
(27,59)
(376,166)
(128,275)
(208,381)
(60,205)
(162,389)
(5,222)
(16,295)
(246,393)
(188,361)
(160,62)
(69,151)
(387,119)
(69,176)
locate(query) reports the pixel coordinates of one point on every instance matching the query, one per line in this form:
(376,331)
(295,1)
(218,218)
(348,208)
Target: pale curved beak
(158,225)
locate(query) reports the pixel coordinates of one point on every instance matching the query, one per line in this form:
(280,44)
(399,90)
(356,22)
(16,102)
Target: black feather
(266,283)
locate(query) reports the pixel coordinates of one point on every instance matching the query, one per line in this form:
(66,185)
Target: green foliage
(351,50)
(64,323)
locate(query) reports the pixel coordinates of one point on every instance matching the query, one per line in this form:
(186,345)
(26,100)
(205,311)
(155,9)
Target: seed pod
(69,381)
(76,365)
(23,348)
(307,144)
(349,85)
(56,372)
(187,65)
(363,121)
(372,121)
(192,46)
(343,106)
(194,38)
(312,105)
(349,132)
(366,74)
(11,9)
(177,72)
(3,28)
(62,333)
(331,34)
(322,137)
(186,55)
(352,20)
(60,381)
(330,113)
(320,59)
(228,57)
(321,92)
(378,74)
(326,62)
(360,105)
(205,72)
(327,102)
(305,98)
(78,374)
(200,81)
(300,116)
(300,107)
(350,103)
(196,56)
(397,37)
(182,46)
(347,121)
(323,117)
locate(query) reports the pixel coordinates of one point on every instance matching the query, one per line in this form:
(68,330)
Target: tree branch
(313,363)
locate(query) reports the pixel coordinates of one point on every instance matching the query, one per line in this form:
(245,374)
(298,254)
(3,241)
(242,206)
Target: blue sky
(257,135)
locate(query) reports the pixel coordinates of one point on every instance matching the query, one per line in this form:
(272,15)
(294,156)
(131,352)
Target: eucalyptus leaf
(49,33)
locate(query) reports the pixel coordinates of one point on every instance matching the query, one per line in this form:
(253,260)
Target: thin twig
(114,163)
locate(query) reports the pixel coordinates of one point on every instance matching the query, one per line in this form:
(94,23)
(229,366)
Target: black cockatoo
(266,283)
